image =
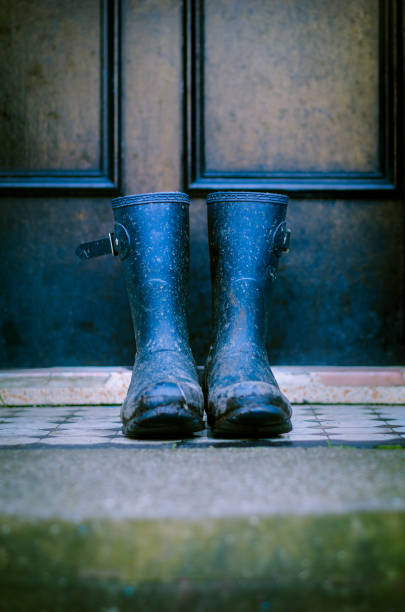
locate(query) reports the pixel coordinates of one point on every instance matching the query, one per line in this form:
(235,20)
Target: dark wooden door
(304,97)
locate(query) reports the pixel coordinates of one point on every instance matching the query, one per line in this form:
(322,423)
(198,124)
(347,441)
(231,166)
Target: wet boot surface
(247,234)
(164,397)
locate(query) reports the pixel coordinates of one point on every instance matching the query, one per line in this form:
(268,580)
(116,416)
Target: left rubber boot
(247,234)
(151,237)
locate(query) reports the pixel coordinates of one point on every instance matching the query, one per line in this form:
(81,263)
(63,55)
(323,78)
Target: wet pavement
(313,425)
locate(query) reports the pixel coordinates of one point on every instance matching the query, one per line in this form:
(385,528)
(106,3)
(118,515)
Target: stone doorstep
(323,527)
(353,562)
(108,385)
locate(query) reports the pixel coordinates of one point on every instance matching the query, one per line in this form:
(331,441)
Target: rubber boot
(164,397)
(151,237)
(247,234)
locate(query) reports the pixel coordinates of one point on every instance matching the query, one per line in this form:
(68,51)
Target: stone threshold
(108,385)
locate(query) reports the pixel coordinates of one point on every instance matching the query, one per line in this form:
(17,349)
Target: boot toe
(161,411)
(253,409)
(252,422)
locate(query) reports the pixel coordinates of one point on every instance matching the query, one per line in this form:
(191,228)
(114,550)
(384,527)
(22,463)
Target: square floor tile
(60,433)
(304,438)
(362,437)
(76,425)
(84,423)
(72,440)
(354,424)
(18,440)
(22,431)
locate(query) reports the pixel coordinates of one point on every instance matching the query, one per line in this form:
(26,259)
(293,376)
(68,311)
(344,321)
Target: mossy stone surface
(335,562)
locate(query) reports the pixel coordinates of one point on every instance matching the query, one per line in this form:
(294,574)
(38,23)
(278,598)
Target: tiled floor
(367,425)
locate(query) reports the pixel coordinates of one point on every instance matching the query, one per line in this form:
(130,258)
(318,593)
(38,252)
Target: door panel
(300,96)
(291,86)
(338,296)
(60,122)
(52,71)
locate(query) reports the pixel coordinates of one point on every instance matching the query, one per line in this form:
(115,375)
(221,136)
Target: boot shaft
(247,234)
(152,238)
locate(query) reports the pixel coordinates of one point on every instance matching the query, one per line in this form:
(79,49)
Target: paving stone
(302,432)
(22,432)
(132,442)
(23,423)
(392,417)
(100,414)
(349,418)
(87,433)
(309,427)
(306,438)
(357,437)
(48,411)
(366,426)
(394,421)
(74,440)
(369,433)
(18,440)
(351,423)
(343,412)
(85,423)
(395,408)
(95,420)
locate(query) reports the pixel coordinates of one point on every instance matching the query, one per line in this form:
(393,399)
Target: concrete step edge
(108,385)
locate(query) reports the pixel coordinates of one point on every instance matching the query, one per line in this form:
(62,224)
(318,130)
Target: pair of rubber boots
(247,234)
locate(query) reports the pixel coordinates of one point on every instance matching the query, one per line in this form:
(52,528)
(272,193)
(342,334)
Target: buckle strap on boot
(116,243)
(96,248)
(281,239)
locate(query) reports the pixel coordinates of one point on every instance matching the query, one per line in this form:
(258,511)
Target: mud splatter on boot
(151,237)
(247,234)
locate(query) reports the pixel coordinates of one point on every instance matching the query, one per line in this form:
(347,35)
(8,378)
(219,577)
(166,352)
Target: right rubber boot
(151,237)
(247,235)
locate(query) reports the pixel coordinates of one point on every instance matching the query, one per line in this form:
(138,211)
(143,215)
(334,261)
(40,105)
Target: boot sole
(165,422)
(250,423)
